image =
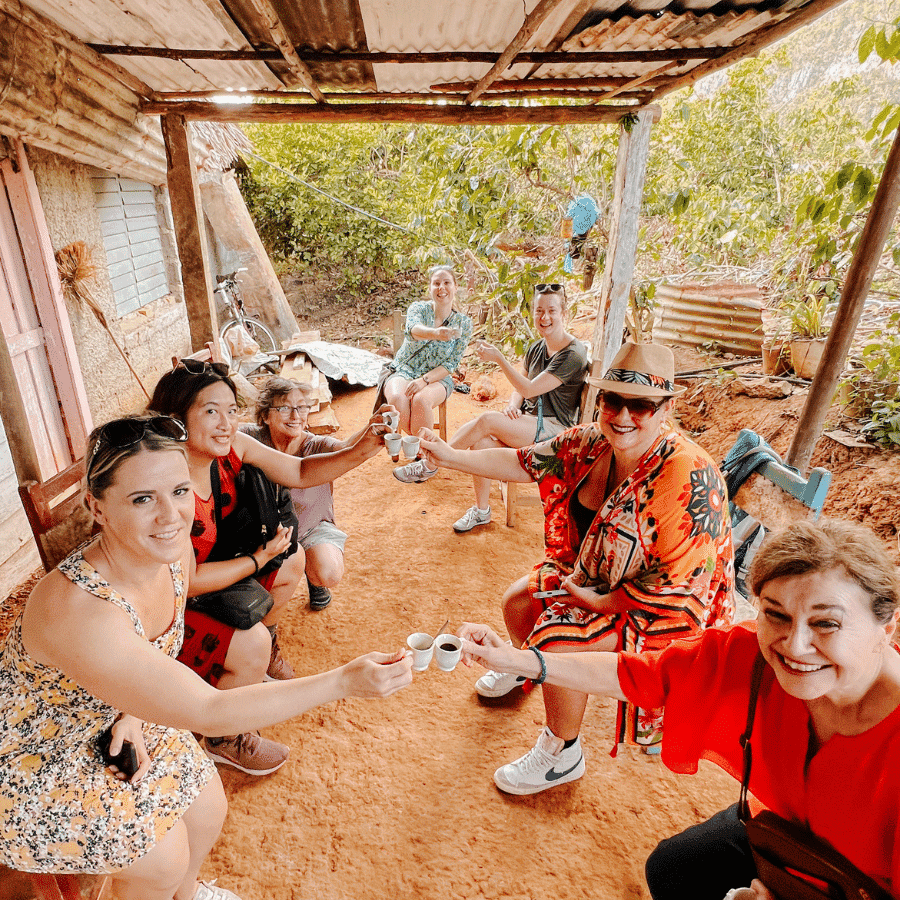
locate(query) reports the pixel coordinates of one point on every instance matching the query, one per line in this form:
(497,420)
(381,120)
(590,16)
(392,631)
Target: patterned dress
(60,809)
(415,358)
(661,543)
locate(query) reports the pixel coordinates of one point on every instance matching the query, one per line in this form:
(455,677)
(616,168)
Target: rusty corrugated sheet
(726,314)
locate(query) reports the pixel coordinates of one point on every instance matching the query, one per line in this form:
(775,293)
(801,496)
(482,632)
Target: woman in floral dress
(436,338)
(95,647)
(637,550)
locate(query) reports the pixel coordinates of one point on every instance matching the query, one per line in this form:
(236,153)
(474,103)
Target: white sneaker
(414,472)
(211,891)
(498,684)
(544,766)
(473,516)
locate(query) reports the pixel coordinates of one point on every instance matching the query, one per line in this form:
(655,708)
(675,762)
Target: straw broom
(76,266)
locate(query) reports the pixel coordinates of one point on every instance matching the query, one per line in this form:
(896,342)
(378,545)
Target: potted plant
(877,376)
(776,348)
(808,320)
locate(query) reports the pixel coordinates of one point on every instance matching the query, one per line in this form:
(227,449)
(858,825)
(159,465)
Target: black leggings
(704,862)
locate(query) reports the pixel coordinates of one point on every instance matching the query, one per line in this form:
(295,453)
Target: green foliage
(881,356)
(884,425)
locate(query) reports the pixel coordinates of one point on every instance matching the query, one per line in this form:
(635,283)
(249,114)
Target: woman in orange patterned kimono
(638,550)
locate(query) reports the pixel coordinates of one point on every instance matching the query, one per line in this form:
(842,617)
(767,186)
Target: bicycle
(227,286)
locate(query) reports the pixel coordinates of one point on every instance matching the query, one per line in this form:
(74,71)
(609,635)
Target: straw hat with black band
(640,370)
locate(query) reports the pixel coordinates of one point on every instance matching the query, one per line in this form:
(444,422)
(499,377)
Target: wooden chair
(58,518)
(28,885)
(399,321)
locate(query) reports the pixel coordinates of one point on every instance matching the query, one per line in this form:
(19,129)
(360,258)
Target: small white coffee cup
(391,419)
(447,651)
(393,442)
(410,446)
(422,646)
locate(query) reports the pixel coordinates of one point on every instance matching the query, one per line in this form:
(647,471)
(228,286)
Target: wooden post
(190,234)
(631,169)
(856,289)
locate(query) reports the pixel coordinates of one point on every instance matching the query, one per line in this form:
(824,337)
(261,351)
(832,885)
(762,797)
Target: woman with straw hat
(637,549)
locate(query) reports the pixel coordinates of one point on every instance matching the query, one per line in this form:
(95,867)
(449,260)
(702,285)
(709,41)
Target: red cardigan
(850,793)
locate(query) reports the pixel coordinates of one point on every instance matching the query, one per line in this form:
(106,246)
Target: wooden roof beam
(532,22)
(758,41)
(387,96)
(279,35)
(536,85)
(434,113)
(537,57)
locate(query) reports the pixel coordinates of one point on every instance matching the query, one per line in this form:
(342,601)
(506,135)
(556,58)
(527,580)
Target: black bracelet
(543,676)
(252,559)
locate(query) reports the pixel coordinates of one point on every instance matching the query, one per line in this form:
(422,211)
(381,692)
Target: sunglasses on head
(550,288)
(199,367)
(637,407)
(122,433)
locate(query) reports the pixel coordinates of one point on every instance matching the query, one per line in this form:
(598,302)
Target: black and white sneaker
(545,765)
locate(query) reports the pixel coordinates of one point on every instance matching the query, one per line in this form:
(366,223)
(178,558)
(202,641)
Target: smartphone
(559,592)
(125,760)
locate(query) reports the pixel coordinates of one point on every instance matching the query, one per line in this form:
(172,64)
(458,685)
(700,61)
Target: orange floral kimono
(661,541)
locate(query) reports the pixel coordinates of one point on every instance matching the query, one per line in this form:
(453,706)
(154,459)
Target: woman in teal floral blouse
(436,338)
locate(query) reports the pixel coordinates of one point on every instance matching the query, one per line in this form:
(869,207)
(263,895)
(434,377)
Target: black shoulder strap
(759,665)
(217,492)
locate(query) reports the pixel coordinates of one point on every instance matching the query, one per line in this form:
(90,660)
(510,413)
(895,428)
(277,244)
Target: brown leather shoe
(279,668)
(247,752)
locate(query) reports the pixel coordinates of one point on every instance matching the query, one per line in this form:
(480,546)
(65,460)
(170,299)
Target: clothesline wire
(356,209)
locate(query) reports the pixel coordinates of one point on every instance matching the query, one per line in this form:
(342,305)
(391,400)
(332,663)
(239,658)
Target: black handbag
(261,506)
(240,605)
(792,862)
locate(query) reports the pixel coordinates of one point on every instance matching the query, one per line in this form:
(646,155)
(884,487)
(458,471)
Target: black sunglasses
(638,407)
(199,366)
(122,433)
(551,288)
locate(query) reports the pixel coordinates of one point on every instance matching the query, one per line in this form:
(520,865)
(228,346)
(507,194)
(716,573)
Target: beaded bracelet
(543,676)
(252,559)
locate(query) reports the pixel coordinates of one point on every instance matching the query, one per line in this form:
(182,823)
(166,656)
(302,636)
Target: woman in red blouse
(826,735)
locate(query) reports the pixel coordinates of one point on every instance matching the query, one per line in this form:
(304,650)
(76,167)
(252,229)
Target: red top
(850,792)
(203,531)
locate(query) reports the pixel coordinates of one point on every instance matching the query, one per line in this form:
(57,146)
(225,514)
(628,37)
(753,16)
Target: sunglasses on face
(199,367)
(638,407)
(122,433)
(286,411)
(550,288)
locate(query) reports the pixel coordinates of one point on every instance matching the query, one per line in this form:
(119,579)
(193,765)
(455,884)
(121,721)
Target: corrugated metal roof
(407,27)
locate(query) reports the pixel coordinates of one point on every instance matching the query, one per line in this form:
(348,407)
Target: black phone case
(125,760)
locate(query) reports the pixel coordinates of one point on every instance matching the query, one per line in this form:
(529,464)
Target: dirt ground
(395,798)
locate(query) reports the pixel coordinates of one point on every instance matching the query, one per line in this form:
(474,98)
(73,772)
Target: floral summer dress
(60,809)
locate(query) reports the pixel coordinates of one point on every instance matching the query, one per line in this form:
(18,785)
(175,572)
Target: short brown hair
(830,544)
(274,388)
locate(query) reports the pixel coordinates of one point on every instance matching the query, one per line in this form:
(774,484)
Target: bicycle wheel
(257,331)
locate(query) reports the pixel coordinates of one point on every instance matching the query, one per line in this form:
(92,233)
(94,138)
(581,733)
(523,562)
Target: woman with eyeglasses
(544,401)
(204,398)
(637,550)
(95,648)
(436,338)
(282,415)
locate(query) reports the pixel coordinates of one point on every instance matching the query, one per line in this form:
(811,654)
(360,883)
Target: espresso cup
(447,651)
(422,646)
(393,443)
(391,419)
(410,446)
